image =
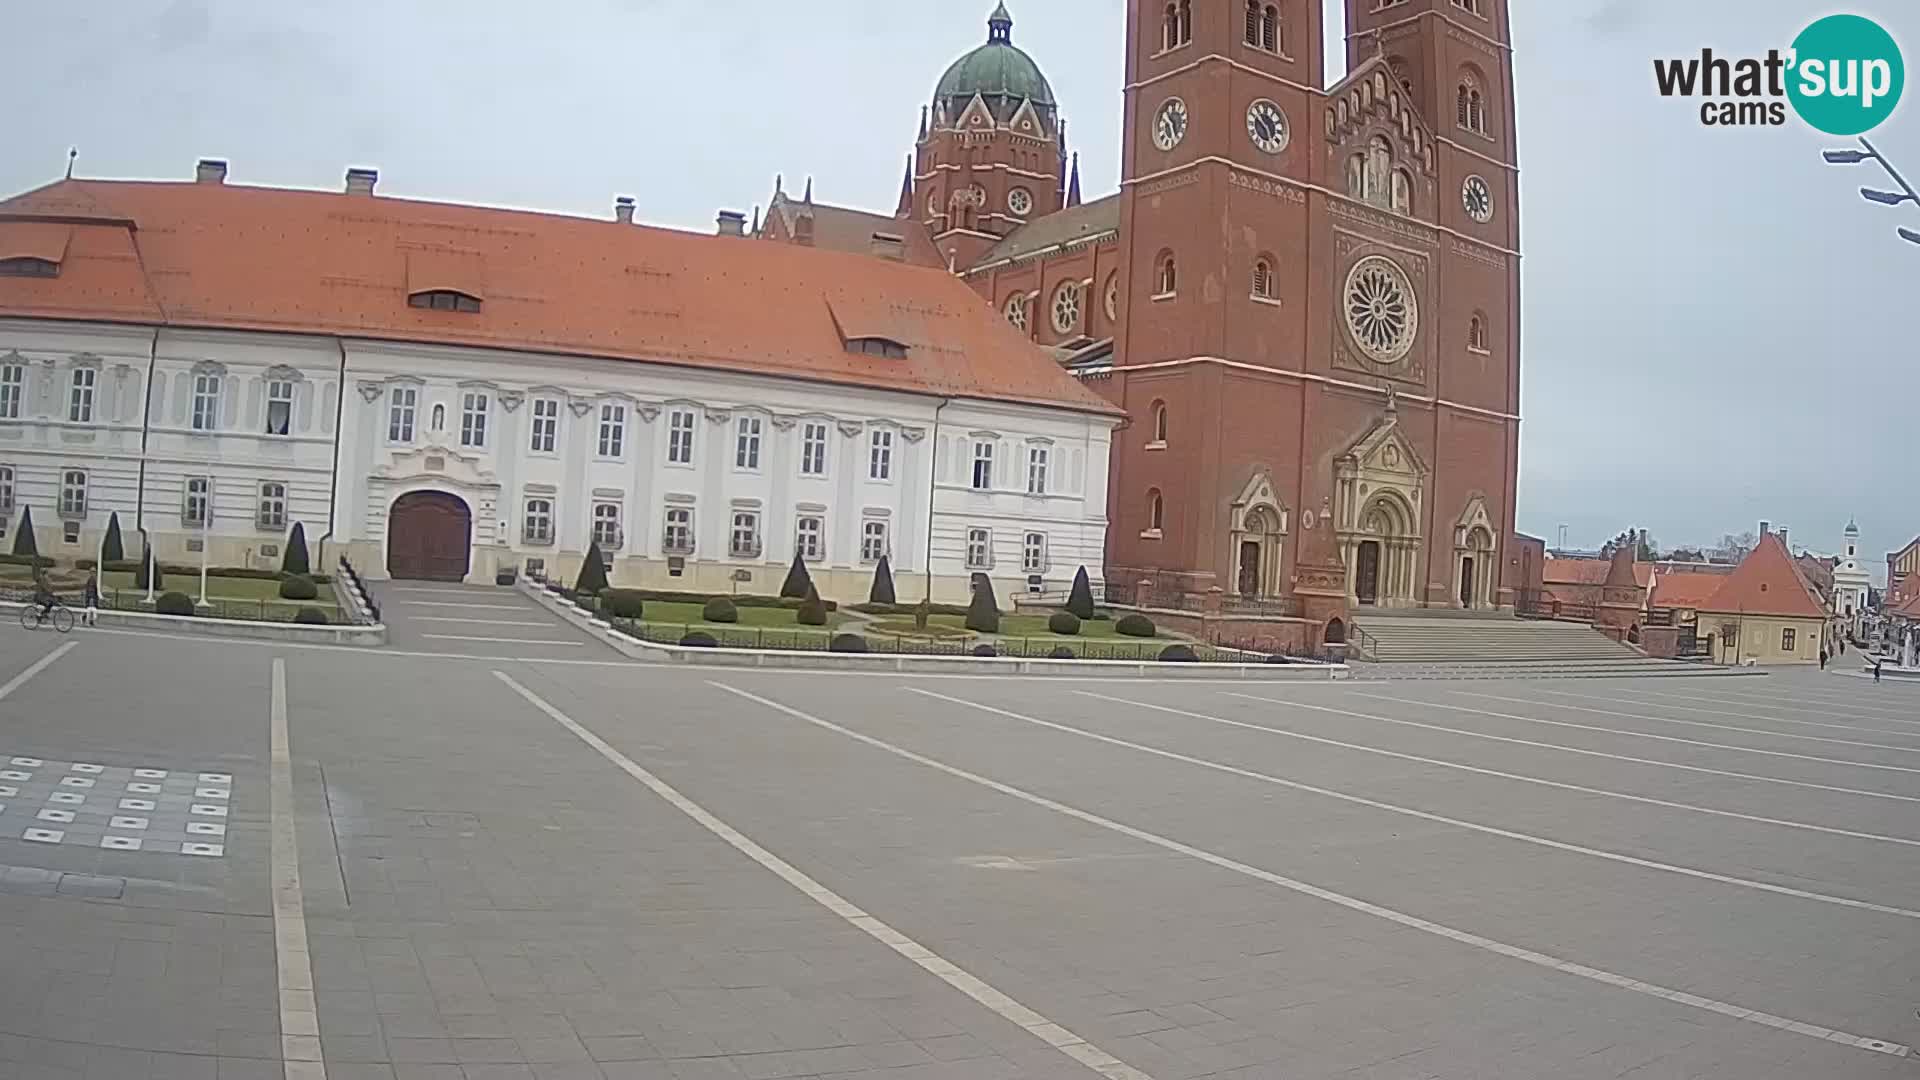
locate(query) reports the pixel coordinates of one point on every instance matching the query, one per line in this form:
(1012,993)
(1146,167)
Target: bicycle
(59,616)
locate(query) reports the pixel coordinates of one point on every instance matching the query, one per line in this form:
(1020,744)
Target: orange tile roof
(1589,572)
(842,228)
(1686,590)
(1767,583)
(247,258)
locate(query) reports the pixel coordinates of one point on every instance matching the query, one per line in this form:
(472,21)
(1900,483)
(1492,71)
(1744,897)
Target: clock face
(1477,197)
(1020,201)
(1267,126)
(1170,124)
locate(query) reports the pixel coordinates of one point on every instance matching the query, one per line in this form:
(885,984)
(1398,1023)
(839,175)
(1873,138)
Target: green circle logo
(1847,75)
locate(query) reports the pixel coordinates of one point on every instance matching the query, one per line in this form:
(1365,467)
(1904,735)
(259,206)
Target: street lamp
(1905,194)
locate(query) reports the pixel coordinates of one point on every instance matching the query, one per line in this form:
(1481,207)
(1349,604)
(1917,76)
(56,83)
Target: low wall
(909,664)
(1259,633)
(198,626)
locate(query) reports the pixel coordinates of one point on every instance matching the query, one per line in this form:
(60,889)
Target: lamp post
(1906,194)
(206,541)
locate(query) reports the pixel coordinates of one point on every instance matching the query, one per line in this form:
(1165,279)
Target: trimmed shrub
(904,609)
(1061,652)
(1080,600)
(1064,622)
(23,540)
(25,560)
(295,561)
(798,580)
(1178,654)
(1279,658)
(812,612)
(720,610)
(699,639)
(882,591)
(622,604)
(298,587)
(983,615)
(312,616)
(174,603)
(1134,624)
(848,643)
(593,572)
(985,650)
(112,549)
(141,569)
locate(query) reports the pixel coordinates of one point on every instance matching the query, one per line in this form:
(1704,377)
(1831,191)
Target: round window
(1020,201)
(1017,311)
(1066,307)
(1382,314)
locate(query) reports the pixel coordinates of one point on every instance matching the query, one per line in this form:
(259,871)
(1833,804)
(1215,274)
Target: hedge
(174,603)
(593,572)
(720,610)
(985,650)
(1080,599)
(1064,622)
(132,566)
(25,560)
(622,604)
(906,609)
(298,587)
(667,596)
(1182,654)
(295,559)
(813,611)
(798,582)
(983,614)
(1061,652)
(882,589)
(699,639)
(848,643)
(311,616)
(1134,625)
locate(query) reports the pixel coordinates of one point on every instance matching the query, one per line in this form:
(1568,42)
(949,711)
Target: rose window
(1382,314)
(1066,308)
(1017,311)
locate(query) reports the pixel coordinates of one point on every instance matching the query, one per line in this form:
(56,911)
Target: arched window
(1186,21)
(1270,29)
(439,418)
(1253,22)
(1477,333)
(1160,422)
(1470,106)
(1357,176)
(1017,310)
(1166,275)
(1402,192)
(1170,33)
(1379,170)
(1477,112)
(1462,113)
(1263,278)
(1156,510)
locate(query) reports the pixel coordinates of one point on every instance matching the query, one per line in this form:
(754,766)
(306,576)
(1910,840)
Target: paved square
(492,867)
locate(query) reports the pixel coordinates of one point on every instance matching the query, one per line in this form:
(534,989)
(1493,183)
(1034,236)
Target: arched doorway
(1384,551)
(1475,559)
(429,537)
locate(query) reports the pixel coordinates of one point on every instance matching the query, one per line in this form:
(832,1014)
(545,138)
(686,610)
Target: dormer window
(444,300)
(28,266)
(877,346)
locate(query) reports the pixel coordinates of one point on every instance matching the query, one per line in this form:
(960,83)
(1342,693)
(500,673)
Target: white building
(442,391)
(1852,585)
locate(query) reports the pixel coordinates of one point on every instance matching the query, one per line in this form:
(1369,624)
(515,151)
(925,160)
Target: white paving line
(454,591)
(36,668)
(1412,921)
(482,622)
(1424,815)
(1046,1030)
(1625,732)
(1569,749)
(1666,704)
(504,640)
(1709,723)
(1542,781)
(486,607)
(299,1016)
(1816,703)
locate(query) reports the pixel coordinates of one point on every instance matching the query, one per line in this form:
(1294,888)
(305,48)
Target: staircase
(1460,644)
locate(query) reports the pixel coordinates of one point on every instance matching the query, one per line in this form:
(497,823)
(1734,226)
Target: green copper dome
(995,70)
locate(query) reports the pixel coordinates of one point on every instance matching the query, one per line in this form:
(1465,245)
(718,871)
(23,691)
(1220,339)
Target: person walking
(93,597)
(1823,658)
(1876,669)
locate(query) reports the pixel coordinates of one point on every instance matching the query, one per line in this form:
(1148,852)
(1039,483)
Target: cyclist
(42,591)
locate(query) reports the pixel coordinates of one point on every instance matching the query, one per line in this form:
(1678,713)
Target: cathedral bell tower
(991,154)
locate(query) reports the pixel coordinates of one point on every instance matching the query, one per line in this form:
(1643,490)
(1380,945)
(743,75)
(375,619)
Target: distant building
(1765,612)
(1852,585)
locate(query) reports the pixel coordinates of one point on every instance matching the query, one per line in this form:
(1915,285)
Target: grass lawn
(237,590)
(1022,626)
(662,612)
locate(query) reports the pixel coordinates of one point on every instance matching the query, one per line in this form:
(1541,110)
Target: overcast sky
(1717,329)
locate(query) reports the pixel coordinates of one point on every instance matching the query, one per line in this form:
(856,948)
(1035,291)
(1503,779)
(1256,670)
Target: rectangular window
(679,538)
(13,385)
(606,525)
(1033,553)
(880,457)
(873,541)
(613,430)
(539,524)
(745,542)
(400,410)
(746,444)
(546,425)
(6,488)
(813,450)
(80,404)
(206,401)
(982,466)
(680,437)
(810,538)
(272,511)
(73,493)
(194,513)
(279,406)
(979,549)
(473,420)
(1037,469)
(1788,639)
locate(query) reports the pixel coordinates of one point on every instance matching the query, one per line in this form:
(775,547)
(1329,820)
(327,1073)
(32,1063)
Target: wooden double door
(429,537)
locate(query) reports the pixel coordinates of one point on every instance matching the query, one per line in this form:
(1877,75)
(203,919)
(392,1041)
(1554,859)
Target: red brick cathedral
(1306,297)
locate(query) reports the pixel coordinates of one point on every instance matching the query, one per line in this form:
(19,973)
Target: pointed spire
(923,123)
(1063,135)
(756,220)
(778,182)
(808,197)
(905,208)
(1000,26)
(1073,182)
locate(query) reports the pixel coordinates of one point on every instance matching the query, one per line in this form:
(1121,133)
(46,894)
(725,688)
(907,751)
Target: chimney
(732,223)
(210,171)
(623,209)
(890,246)
(1766,527)
(361,181)
(1782,530)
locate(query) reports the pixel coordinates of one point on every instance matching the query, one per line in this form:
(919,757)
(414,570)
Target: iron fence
(260,610)
(373,606)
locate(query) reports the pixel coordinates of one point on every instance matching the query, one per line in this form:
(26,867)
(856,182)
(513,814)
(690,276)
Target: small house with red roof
(1765,612)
